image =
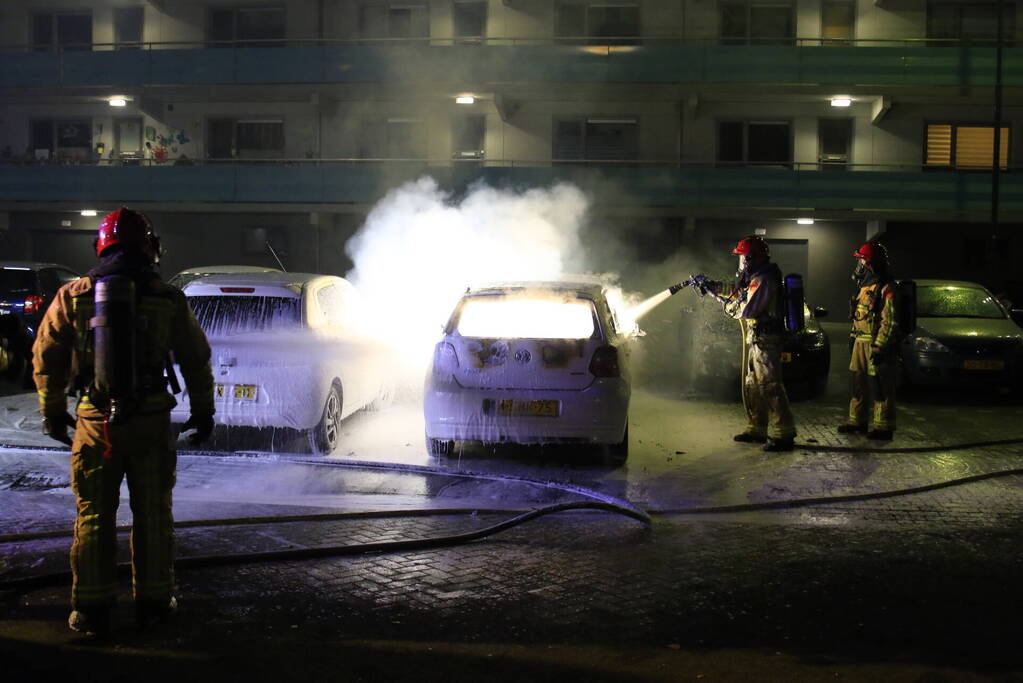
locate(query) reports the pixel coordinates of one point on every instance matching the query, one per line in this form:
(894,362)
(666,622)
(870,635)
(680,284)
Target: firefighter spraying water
(765,303)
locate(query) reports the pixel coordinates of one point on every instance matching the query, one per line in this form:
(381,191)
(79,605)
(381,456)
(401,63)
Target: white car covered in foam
(289,350)
(529,363)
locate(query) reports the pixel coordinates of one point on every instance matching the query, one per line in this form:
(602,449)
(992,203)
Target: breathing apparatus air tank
(794,302)
(114,348)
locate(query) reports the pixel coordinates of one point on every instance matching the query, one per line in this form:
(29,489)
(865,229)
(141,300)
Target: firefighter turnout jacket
(873,315)
(63,351)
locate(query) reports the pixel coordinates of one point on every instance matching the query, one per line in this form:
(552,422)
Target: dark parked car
(26,289)
(717,346)
(964,336)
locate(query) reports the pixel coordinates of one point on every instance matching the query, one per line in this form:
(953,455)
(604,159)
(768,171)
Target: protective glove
(55,426)
(852,343)
(203,426)
(878,357)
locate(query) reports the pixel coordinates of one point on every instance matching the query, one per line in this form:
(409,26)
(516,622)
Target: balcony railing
(902,62)
(655,184)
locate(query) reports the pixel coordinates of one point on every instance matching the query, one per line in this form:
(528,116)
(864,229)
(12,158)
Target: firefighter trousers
(763,394)
(142,451)
(873,388)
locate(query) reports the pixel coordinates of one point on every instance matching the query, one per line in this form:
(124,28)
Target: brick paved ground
(914,588)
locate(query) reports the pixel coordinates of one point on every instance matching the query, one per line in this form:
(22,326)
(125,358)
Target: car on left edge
(289,350)
(27,288)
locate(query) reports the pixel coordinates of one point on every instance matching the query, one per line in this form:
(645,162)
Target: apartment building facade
(690,123)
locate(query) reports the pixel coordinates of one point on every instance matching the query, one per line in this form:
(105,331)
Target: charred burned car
(963,336)
(716,344)
(289,350)
(530,363)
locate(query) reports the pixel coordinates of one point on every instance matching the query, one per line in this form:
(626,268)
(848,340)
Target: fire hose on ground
(599,501)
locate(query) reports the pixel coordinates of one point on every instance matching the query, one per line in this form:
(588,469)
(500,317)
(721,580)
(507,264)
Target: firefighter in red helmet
(756,301)
(121,321)
(874,347)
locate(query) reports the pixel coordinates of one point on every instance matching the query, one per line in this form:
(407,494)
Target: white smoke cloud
(420,247)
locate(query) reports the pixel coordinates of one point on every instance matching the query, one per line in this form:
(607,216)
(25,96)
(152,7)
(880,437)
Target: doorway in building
(71,248)
(128,138)
(834,139)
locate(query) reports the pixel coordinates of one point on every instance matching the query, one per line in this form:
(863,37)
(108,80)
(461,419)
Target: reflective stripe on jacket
(878,326)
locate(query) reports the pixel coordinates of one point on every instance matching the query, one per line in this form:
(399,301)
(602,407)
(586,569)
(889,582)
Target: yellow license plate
(786,357)
(244,392)
(984,365)
(531,408)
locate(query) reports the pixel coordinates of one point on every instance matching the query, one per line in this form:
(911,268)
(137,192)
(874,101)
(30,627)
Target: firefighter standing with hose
(110,336)
(874,346)
(756,301)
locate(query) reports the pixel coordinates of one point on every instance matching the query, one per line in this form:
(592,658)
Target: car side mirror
(820,312)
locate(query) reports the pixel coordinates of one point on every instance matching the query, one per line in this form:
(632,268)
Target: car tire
(325,436)
(439,447)
(617,453)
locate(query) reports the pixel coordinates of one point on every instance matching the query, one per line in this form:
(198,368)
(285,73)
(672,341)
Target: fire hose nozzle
(675,289)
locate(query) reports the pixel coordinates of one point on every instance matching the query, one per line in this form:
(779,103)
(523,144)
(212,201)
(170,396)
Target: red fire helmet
(872,252)
(128,228)
(753,245)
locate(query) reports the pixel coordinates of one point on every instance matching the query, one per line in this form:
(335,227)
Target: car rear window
(519,317)
(225,315)
(956,302)
(17,282)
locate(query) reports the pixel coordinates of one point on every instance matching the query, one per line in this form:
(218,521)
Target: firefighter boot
(92,622)
(780,445)
(849,428)
(150,613)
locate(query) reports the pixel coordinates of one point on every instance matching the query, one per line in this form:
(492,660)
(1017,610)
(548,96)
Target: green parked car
(964,336)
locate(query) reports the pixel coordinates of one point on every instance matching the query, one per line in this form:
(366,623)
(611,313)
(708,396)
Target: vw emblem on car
(522,356)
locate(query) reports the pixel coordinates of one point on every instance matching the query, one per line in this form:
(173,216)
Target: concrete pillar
(875,228)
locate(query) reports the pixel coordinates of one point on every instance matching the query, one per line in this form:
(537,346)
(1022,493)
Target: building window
(754,143)
(969,20)
(838,19)
(245,139)
(467,136)
(594,139)
(394,138)
(394,21)
(62,31)
(750,22)
(470,19)
(597,23)
(964,146)
(257,26)
(63,140)
(128,23)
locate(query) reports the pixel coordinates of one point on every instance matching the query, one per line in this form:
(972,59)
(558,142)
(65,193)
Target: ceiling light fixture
(804,221)
(118,101)
(88,212)
(465,99)
(841,101)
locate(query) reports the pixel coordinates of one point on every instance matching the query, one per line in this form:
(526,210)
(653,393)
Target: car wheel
(617,453)
(441,447)
(325,437)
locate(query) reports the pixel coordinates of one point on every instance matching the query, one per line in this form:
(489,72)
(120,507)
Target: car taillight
(444,357)
(33,304)
(605,362)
